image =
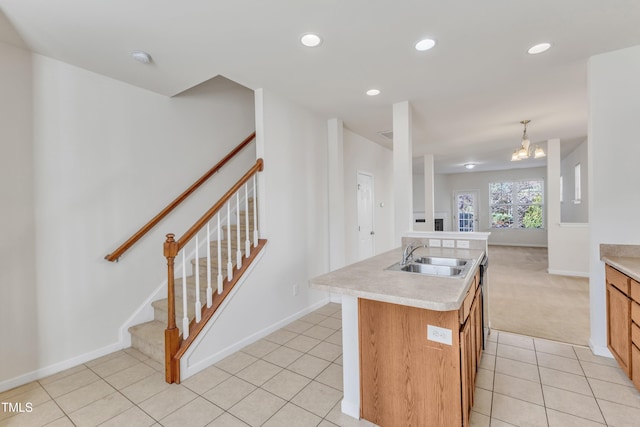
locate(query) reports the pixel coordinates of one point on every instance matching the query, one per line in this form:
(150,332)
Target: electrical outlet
(296,289)
(434,243)
(441,335)
(464,244)
(448,244)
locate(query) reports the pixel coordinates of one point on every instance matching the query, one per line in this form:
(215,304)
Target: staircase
(149,337)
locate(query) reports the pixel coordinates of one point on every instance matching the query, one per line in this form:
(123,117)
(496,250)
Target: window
(561,189)
(577,188)
(516,204)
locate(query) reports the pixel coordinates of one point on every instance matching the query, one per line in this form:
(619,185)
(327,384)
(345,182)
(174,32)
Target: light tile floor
(293,377)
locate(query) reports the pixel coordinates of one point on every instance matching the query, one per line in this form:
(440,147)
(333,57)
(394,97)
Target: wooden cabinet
(470,353)
(408,379)
(623,322)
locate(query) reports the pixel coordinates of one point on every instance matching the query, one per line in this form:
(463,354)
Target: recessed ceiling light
(311,40)
(141,56)
(425,44)
(469,165)
(373,92)
(539,48)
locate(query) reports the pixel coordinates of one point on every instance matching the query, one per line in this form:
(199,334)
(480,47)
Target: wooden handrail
(188,235)
(148,226)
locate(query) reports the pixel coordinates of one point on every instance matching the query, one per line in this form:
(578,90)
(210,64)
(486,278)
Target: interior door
(366,232)
(466,209)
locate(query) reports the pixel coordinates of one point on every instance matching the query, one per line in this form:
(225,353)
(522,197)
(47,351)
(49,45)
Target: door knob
(372,232)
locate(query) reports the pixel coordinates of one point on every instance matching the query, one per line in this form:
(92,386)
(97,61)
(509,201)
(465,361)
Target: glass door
(466,208)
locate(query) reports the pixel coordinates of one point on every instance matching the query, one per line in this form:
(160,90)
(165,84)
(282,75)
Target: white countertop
(369,279)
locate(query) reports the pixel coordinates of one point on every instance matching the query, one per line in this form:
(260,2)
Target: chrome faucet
(407,255)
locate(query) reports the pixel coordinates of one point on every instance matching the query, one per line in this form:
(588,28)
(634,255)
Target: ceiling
(468,93)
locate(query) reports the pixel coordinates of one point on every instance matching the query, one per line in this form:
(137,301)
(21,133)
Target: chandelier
(526,151)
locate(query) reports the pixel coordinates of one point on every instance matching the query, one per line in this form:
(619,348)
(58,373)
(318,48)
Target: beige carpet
(525,299)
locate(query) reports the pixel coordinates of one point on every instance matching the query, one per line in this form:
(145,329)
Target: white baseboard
(351,409)
(337,298)
(58,367)
(599,350)
(188,370)
(523,245)
(568,273)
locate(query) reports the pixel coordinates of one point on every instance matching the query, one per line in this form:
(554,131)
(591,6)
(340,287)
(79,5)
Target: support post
(172,333)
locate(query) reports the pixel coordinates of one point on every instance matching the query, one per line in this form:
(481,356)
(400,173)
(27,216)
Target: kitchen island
(411,342)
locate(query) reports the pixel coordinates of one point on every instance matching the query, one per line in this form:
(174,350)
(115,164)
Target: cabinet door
(466,356)
(479,327)
(619,327)
(635,363)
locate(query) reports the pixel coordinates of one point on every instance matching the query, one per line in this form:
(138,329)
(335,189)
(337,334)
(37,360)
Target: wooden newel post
(172,333)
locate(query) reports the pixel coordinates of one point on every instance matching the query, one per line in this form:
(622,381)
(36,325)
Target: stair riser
(153,351)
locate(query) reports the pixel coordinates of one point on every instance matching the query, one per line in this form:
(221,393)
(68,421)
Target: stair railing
(219,222)
(115,255)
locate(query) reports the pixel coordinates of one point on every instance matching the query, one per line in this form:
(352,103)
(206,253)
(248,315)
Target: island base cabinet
(409,377)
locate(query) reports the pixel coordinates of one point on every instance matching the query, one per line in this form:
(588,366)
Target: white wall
(107,157)
(570,211)
(293,217)
(360,154)
(18,351)
(479,181)
(614,205)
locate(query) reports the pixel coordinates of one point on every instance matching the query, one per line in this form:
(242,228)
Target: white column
(350,357)
(552,190)
(336,194)
(402,170)
(429,193)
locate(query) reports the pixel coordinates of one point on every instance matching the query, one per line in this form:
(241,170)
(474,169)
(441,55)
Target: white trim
(475,235)
(568,273)
(58,367)
(573,224)
(523,245)
(350,408)
(599,350)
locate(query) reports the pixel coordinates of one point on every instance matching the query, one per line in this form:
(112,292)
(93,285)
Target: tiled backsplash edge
(608,250)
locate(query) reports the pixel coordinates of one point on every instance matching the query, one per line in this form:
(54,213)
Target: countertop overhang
(370,279)
(627,265)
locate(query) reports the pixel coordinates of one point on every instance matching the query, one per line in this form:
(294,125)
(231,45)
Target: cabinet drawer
(635,334)
(617,279)
(635,291)
(635,312)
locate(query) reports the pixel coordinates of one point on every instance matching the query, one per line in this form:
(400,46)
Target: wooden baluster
(238,250)
(247,242)
(209,291)
(172,333)
(185,318)
(198,305)
(219,237)
(229,257)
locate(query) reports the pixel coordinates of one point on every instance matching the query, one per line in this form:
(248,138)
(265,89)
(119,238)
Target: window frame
(514,204)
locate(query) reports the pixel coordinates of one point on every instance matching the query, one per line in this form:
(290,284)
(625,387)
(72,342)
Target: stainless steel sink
(435,266)
(453,262)
(433,270)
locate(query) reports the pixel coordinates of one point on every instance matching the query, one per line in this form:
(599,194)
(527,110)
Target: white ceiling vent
(387,134)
